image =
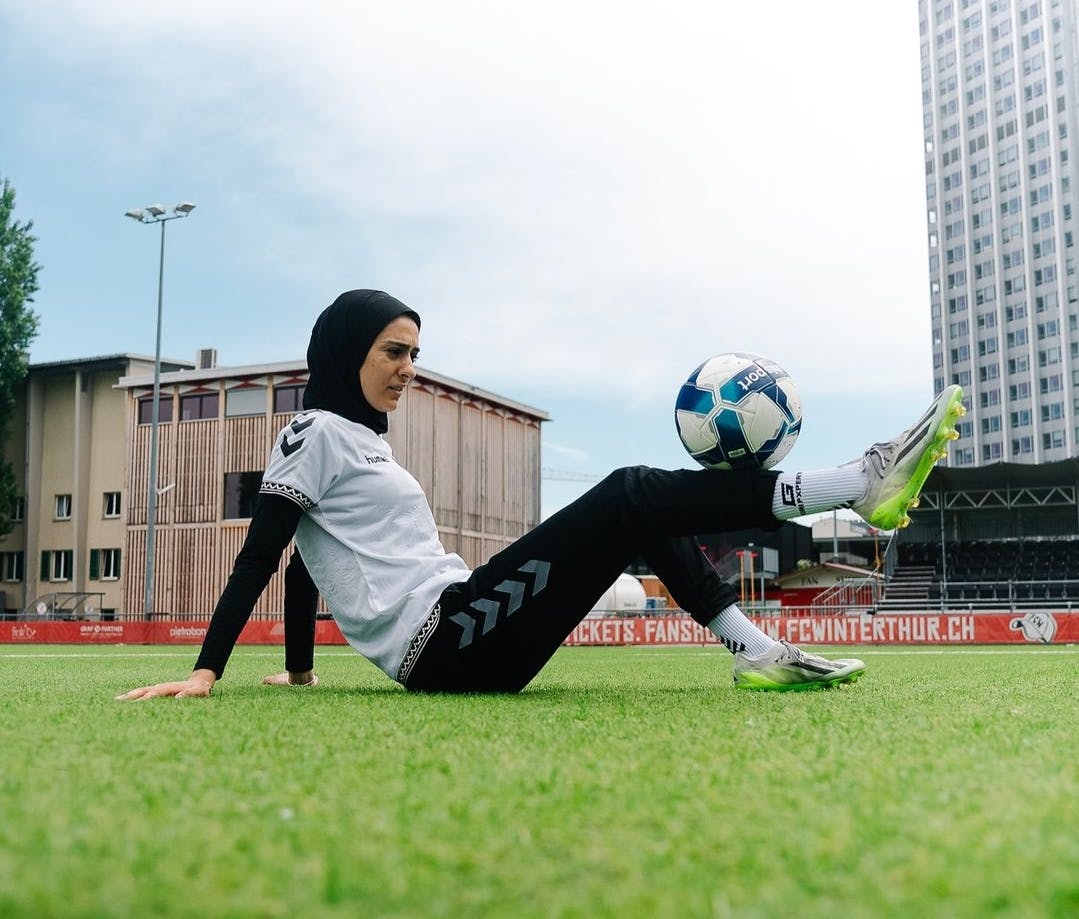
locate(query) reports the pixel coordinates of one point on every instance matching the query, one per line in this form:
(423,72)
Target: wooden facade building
(476,455)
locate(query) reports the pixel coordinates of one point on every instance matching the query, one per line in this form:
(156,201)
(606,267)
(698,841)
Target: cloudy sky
(583,200)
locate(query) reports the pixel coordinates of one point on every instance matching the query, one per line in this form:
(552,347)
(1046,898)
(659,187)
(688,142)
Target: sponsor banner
(982,628)
(158,632)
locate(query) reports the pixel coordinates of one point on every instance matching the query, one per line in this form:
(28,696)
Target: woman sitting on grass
(367,536)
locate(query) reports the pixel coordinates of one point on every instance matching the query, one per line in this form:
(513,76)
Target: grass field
(628,782)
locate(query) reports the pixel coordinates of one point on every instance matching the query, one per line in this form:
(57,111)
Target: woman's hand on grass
(302,678)
(198,685)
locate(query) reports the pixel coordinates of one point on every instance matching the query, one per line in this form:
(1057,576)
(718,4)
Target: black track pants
(497,629)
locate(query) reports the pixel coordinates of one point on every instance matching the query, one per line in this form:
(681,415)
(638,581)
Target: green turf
(625,782)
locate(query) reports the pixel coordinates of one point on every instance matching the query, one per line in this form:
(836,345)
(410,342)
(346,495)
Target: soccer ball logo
(738,411)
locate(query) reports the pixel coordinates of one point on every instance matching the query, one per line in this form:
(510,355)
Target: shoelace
(796,655)
(882,452)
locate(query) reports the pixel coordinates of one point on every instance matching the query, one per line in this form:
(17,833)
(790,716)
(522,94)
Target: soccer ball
(738,411)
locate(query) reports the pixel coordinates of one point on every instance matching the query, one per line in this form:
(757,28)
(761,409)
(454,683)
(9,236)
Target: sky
(583,200)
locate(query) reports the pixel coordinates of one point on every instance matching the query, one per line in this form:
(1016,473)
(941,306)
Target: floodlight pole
(155,214)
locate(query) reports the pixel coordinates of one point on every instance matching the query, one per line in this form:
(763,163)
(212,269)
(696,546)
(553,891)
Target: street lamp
(155,213)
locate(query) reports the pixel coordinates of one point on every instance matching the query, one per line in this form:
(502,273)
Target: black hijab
(340,340)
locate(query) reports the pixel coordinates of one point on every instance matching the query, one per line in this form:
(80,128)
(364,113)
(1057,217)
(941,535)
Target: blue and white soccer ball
(738,411)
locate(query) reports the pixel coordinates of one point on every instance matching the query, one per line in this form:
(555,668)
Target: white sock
(801,493)
(739,634)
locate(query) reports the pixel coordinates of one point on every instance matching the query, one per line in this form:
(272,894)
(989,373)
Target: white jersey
(368,537)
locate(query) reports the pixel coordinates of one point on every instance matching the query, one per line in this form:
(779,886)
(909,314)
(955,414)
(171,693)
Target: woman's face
(388,368)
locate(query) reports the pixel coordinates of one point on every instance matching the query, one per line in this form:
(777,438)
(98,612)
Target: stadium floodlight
(155,213)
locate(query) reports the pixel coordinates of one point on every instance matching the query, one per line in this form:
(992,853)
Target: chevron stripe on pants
(497,629)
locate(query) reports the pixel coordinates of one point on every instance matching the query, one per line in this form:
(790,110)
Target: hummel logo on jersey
(375,459)
(288,447)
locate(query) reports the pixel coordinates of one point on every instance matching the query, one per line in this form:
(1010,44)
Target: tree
(18,326)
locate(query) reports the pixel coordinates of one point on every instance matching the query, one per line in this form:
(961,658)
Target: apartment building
(1000,96)
(68,443)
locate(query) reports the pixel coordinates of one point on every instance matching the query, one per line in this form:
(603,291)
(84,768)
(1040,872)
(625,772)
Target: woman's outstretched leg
(502,625)
(498,629)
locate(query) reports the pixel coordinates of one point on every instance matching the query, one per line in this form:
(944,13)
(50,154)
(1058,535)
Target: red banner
(982,628)
(1036,626)
(158,632)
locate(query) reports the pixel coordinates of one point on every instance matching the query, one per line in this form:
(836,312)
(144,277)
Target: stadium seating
(1028,572)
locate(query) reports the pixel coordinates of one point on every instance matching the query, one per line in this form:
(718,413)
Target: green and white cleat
(788,668)
(897,469)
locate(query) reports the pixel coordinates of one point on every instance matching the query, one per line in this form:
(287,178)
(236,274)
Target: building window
(18,509)
(241,493)
(1041,221)
(56,565)
(250,400)
(1054,411)
(198,406)
(104,564)
(1045,275)
(1052,383)
(1017,338)
(112,504)
(288,398)
(63,507)
(1021,445)
(993,451)
(1048,356)
(1044,249)
(1053,440)
(1019,391)
(11,566)
(164,409)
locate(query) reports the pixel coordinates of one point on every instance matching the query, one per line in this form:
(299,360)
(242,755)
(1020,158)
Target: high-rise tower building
(1000,93)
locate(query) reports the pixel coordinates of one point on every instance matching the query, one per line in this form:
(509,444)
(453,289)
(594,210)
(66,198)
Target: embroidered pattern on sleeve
(287,491)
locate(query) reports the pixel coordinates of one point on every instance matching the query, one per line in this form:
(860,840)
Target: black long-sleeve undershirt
(272,527)
(301,608)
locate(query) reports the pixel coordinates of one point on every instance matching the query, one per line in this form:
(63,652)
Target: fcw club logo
(1040,627)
